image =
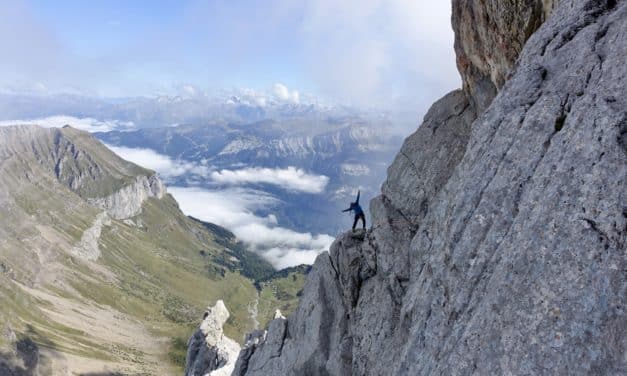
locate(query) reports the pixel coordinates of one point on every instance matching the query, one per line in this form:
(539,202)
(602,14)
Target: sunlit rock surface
(209,351)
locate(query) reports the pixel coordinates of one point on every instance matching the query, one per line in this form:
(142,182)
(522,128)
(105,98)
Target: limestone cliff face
(127,201)
(498,242)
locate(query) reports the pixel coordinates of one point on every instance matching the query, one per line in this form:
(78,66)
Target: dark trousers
(357,218)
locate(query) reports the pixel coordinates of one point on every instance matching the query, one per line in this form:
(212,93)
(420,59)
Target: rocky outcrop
(498,243)
(87,248)
(123,204)
(209,351)
(127,202)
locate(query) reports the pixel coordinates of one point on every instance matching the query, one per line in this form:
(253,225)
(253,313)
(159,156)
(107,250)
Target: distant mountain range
(238,106)
(295,164)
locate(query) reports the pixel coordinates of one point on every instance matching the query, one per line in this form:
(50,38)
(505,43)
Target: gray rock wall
(498,246)
(489,36)
(127,201)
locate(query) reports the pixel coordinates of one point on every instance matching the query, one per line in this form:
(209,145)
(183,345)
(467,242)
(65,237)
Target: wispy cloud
(86,124)
(282,258)
(164,165)
(234,209)
(289,178)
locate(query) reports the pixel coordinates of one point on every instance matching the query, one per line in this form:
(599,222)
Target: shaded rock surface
(209,351)
(489,36)
(498,244)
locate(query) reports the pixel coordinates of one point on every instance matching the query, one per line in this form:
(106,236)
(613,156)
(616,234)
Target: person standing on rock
(359,213)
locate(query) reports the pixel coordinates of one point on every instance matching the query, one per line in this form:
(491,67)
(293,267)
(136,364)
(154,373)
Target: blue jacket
(355,206)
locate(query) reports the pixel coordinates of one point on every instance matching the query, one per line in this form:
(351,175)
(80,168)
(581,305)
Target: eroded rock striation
(498,242)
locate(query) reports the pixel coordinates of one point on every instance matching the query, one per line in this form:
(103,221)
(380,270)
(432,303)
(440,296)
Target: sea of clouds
(233,204)
(86,124)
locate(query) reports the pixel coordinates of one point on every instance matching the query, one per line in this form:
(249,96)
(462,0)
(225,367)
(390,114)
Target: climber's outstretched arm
(358,193)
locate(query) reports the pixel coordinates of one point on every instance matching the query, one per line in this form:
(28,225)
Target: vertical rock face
(127,201)
(209,351)
(489,36)
(498,244)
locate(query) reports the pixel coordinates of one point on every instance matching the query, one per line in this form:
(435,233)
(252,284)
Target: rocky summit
(498,243)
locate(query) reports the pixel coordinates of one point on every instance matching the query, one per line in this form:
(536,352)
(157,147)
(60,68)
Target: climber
(359,213)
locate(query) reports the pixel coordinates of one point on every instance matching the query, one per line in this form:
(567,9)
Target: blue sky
(366,52)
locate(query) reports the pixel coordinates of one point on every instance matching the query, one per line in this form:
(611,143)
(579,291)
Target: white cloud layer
(289,178)
(86,124)
(164,165)
(234,209)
